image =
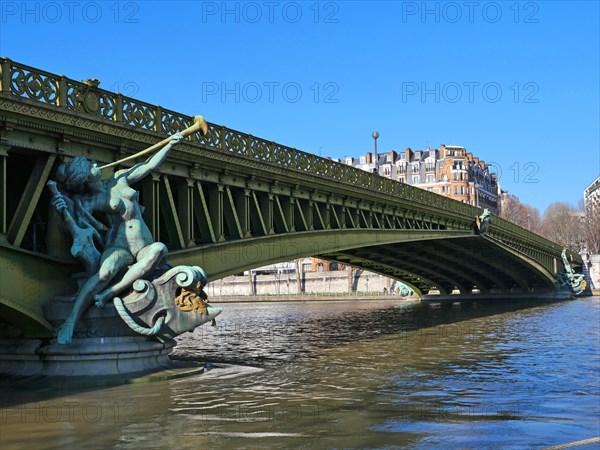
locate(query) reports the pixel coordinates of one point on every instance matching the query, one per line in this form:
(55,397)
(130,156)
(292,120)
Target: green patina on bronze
(228,201)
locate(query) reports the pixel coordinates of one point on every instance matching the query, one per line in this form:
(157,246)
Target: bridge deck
(230,201)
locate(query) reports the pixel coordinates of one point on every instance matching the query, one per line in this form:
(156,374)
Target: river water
(357,374)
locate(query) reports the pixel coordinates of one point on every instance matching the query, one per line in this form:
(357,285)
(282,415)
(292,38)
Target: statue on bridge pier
(569,278)
(122,254)
(482,222)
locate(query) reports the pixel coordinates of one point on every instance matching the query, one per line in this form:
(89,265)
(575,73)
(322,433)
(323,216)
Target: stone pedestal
(128,335)
(84,356)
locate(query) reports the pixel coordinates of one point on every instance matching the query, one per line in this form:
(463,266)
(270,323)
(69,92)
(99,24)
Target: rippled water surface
(346,375)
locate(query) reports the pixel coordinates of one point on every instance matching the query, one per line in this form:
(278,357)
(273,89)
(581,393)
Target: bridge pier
(84,356)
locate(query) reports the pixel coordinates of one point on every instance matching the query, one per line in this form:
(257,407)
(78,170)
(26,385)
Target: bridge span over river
(229,201)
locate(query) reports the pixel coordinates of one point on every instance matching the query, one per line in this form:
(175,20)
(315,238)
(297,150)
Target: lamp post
(375,136)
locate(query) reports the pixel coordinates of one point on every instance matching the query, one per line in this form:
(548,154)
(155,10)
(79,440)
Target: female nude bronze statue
(128,241)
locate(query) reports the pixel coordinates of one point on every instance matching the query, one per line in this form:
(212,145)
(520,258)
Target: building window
(462,190)
(430,178)
(455,190)
(415,179)
(401,179)
(455,177)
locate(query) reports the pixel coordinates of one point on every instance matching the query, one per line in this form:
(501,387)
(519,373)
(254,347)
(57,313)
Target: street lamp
(375,136)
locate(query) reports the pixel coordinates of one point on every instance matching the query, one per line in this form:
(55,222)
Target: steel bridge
(229,201)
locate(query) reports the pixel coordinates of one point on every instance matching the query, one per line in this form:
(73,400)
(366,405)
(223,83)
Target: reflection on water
(347,375)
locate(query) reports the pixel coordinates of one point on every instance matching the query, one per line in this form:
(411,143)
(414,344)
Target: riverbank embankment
(356,283)
(312,298)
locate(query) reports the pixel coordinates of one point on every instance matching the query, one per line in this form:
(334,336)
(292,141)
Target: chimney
(408,154)
(369,157)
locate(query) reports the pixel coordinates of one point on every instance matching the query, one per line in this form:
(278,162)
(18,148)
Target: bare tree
(590,227)
(562,223)
(519,213)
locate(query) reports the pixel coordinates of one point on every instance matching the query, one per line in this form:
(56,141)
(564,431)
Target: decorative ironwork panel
(259,149)
(379,183)
(336,172)
(322,167)
(213,138)
(173,122)
(90,100)
(282,155)
(352,176)
(138,114)
(364,179)
(304,162)
(234,142)
(34,84)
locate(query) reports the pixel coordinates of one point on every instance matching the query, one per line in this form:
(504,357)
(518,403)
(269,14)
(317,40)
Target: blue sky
(516,83)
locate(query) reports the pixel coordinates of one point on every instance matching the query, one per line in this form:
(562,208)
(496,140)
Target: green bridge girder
(229,202)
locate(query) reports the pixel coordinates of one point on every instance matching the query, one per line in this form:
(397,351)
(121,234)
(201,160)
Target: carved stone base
(94,323)
(84,357)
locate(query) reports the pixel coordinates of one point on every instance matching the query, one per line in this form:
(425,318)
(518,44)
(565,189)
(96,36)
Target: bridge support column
(216,211)
(266,206)
(3,186)
(151,191)
(29,200)
(243,210)
(186,211)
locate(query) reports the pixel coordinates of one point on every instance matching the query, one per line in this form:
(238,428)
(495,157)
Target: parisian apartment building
(450,171)
(591,195)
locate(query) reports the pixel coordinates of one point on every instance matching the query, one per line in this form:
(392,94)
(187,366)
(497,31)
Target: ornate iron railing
(86,97)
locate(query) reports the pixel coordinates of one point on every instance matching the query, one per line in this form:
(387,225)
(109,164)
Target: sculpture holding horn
(127,243)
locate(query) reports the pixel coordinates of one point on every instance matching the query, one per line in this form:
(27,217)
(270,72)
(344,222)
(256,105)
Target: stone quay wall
(592,271)
(311,283)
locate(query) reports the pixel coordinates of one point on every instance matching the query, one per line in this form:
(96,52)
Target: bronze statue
(127,244)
